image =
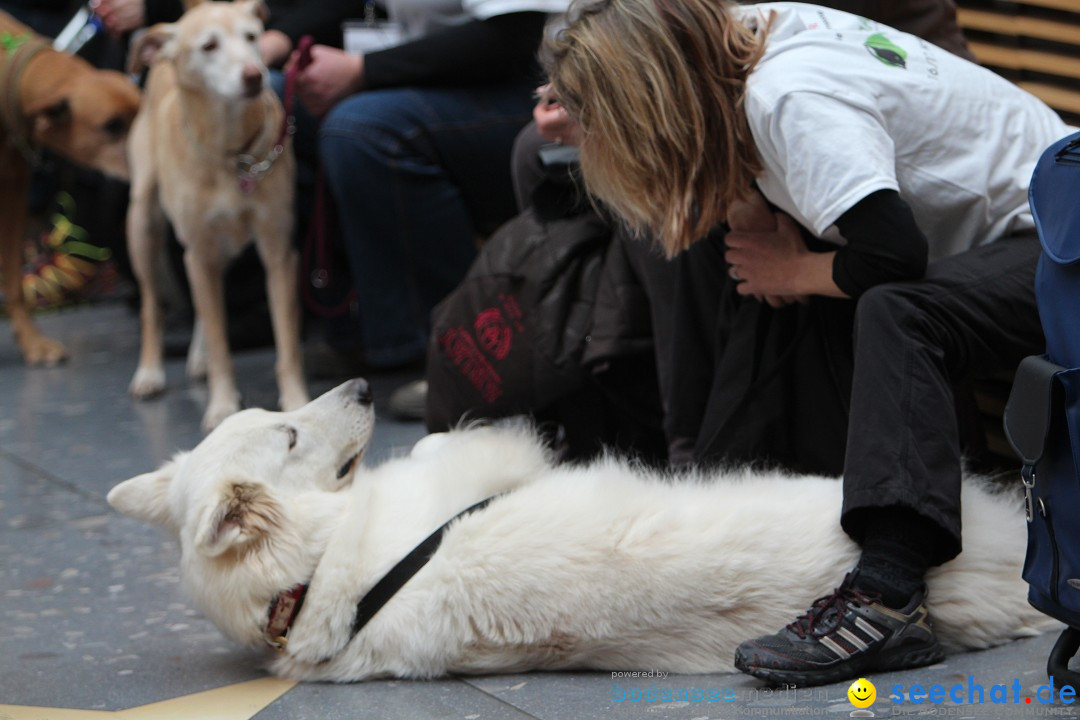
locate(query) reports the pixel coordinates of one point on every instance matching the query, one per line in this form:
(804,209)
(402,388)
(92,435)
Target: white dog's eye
(291,432)
(250,37)
(210,45)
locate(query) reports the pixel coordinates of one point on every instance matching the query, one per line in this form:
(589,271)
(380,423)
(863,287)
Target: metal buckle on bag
(1027,476)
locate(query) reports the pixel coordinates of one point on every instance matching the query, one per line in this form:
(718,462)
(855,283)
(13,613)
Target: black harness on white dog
(286,606)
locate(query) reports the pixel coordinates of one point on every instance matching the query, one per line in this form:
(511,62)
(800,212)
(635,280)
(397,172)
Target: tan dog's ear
(49,118)
(146,496)
(257,8)
(188,4)
(244,514)
(150,44)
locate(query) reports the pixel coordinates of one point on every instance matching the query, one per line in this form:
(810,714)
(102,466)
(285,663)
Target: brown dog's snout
(253,80)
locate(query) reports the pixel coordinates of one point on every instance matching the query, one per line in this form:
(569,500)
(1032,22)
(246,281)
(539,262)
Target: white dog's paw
(147,383)
(217,411)
(322,638)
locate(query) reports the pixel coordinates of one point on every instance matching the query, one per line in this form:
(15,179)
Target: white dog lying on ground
(601,566)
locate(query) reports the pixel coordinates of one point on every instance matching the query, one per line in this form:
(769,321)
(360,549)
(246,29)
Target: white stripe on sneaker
(868,629)
(852,638)
(835,647)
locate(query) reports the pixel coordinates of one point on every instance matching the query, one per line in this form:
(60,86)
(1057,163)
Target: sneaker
(844,635)
(409,402)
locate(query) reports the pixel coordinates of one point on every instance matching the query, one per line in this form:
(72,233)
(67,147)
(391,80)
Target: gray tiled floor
(91,616)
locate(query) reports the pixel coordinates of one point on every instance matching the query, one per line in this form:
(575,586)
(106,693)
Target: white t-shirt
(423,17)
(484,9)
(840,107)
(419,18)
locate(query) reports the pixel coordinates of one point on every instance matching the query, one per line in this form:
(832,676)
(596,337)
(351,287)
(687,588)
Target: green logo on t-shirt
(886,51)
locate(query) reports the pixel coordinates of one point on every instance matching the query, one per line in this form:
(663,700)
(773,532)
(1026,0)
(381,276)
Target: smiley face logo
(862,693)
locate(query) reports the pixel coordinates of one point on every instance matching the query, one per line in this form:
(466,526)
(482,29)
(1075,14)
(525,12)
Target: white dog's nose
(360,390)
(253,80)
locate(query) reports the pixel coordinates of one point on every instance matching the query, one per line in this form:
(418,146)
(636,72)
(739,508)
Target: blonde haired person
(897,177)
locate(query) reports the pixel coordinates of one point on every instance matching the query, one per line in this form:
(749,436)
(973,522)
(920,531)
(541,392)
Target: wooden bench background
(1034,43)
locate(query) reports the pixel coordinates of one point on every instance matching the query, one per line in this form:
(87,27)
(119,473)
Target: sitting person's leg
(418,175)
(973,315)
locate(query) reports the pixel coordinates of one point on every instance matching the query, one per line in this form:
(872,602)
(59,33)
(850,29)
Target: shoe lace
(824,615)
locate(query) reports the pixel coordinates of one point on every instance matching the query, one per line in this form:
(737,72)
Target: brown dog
(60,102)
(209,153)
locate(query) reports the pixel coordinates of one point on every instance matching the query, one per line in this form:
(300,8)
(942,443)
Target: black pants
(742,382)
(745,383)
(972,316)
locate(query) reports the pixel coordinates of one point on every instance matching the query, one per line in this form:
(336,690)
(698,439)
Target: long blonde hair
(657,87)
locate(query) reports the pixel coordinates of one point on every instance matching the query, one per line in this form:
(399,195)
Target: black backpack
(509,340)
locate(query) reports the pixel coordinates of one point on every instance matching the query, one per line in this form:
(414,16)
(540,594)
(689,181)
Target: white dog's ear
(150,44)
(244,514)
(146,496)
(257,8)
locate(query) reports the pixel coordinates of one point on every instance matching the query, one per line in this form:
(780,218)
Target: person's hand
(751,215)
(121,16)
(332,76)
(274,48)
(770,264)
(552,121)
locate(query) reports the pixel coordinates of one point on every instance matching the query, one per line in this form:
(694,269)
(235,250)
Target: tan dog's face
(87,118)
(227,492)
(213,47)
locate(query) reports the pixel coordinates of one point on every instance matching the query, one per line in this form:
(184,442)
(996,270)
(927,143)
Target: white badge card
(365,36)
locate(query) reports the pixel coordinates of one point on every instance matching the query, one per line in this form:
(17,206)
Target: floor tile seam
(500,700)
(52,478)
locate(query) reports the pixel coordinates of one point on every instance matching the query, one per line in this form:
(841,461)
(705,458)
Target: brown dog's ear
(48,118)
(257,8)
(244,514)
(150,44)
(146,496)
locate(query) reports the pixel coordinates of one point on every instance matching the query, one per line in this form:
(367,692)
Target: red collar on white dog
(283,611)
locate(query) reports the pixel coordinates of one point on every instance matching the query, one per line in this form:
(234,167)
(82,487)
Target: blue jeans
(418,175)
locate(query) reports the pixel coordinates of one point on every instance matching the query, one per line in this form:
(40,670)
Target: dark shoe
(844,635)
(323,361)
(409,402)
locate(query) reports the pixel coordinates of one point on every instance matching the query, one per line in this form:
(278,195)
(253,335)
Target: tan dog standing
(209,154)
(57,101)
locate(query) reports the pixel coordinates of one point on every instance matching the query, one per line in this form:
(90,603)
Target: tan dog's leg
(14,182)
(281,263)
(206,273)
(196,357)
(146,241)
